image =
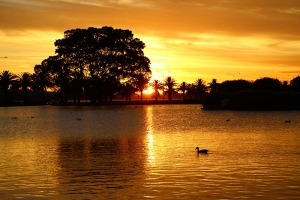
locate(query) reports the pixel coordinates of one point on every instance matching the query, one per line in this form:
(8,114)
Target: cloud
(202,35)
(272,18)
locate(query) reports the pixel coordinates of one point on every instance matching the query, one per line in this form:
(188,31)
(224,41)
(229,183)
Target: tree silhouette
(234,86)
(59,73)
(126,90)
(213,85)
(267,84)
(183,87)
(295,83)
(170,83)
(110,87)
(141,82)
(97,56)
(157,85)
(190,92)
(77,83)
(41,78)
(7,79)
(200,88)
(25,82)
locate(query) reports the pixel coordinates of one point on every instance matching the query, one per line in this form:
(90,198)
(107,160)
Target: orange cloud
(186,39)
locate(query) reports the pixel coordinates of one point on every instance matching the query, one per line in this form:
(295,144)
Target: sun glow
(149,90)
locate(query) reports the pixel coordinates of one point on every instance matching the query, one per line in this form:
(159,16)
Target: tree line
(211,93)
(102,62)
(263,93)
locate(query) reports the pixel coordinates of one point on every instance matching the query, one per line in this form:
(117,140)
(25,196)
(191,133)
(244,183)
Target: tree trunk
(43,95)
(169,96)
(25,95)
(78,97)
(5,92)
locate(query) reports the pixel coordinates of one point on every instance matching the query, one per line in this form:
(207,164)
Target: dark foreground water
(144,152)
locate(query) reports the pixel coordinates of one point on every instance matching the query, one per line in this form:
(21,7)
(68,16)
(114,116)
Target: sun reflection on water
(150,139)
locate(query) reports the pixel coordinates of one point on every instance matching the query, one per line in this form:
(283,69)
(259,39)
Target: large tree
(295,83)
(267,83)
(126,89)
(234,86)
(60,75)
(97,56)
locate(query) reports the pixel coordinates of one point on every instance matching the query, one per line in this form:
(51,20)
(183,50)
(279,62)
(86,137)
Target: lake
(146,152)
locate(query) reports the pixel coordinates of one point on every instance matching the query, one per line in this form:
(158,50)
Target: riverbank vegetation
(101,65)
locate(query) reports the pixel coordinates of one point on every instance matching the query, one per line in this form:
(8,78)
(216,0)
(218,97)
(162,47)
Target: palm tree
(190,90)
(183,87)
(213,85)
(141,82)
(157,85)
(7,79)
(25,82)
(200,87)
(41,79)
(170,83)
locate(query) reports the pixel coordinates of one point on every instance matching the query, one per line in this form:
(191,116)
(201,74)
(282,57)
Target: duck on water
(201,150)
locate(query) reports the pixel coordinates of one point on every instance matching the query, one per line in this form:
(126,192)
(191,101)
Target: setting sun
(149,90)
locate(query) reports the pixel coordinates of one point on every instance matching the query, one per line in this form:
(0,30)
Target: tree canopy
(96,62)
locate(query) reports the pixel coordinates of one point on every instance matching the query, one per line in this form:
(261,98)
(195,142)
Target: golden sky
(185,39)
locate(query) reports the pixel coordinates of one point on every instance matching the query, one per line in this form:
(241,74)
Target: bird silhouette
(201,150)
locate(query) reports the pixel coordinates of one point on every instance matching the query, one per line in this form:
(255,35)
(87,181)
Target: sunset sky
(185,39)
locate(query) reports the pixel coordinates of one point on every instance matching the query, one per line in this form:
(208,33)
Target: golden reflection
(150,139)
(31,162)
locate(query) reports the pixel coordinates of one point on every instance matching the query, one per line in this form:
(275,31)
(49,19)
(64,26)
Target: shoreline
(127,103)
(109,103)
(160,102)
(253,108)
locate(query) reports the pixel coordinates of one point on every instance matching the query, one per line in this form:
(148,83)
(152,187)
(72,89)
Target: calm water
(144,152)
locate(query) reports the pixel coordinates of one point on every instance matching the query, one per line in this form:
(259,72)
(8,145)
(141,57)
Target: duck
(201,151)
(288,121)
(227,120)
